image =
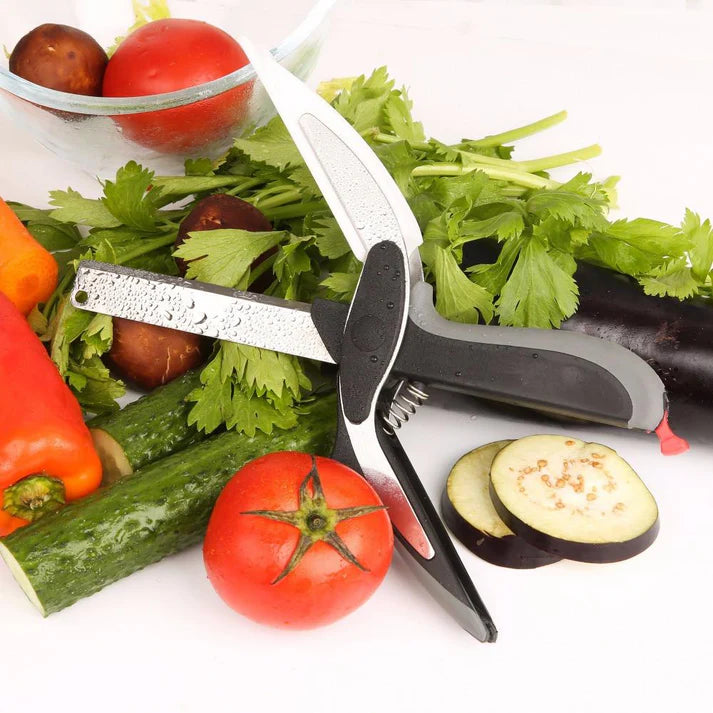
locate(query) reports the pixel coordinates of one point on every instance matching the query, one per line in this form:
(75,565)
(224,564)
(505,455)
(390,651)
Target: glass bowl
(96,132)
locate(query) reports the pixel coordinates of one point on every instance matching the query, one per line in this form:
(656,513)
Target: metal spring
(407,398)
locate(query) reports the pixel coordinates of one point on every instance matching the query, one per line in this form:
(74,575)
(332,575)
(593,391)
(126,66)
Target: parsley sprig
(472,190)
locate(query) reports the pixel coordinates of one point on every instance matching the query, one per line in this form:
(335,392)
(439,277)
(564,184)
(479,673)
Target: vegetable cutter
(390,344)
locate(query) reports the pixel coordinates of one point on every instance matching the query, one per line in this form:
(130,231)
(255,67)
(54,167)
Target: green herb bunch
(469,191)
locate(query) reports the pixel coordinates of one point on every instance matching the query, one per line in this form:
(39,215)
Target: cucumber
(160,510)
(146,430)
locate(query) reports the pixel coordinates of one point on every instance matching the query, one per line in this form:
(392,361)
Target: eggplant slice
(576,500)
(468,511)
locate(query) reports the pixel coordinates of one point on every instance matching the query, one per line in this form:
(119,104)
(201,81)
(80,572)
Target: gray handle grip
(552,370)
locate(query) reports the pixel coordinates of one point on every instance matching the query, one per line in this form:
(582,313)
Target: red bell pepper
(46,452)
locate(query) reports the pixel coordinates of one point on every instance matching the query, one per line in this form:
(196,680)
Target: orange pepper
(46,450)
(28,272)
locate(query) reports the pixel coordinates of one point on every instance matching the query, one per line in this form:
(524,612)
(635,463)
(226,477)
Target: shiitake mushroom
(60,57)
(225,211)
(149,356)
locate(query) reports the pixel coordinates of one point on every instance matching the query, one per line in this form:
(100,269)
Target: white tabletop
(573,637)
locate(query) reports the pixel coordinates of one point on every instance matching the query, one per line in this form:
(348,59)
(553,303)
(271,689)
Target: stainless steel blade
(199,308)
(381,476)
(370,209)
(363,196)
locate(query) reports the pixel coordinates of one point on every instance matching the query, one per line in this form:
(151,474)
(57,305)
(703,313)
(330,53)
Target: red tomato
(167,55)
(252,546)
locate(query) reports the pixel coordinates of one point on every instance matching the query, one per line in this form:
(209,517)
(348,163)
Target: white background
(573,637)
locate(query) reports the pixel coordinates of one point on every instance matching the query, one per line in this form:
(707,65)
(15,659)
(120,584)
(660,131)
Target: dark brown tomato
(60,57)
(225,211)
(150,356)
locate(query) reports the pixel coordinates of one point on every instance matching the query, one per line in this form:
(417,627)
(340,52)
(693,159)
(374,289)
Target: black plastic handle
(549,370)
(444,575)
(372,330)
(535,378)
(546,369)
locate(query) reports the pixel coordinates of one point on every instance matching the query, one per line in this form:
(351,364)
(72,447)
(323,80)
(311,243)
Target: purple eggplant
(575,500)
(468,511)
(674,337)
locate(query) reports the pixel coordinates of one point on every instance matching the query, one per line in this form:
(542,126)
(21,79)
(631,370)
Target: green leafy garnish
(223,257)
(271,144)
(129,199)
(457,298)
(74,209)
(540,289)
(249,389)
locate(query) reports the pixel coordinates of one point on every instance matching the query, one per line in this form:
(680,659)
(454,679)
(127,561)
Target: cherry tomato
(297,541)
(171,54)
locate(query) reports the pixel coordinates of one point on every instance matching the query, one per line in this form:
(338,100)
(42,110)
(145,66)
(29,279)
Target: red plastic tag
(671,444)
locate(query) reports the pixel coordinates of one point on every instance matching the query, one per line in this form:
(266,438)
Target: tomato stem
(316,521)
